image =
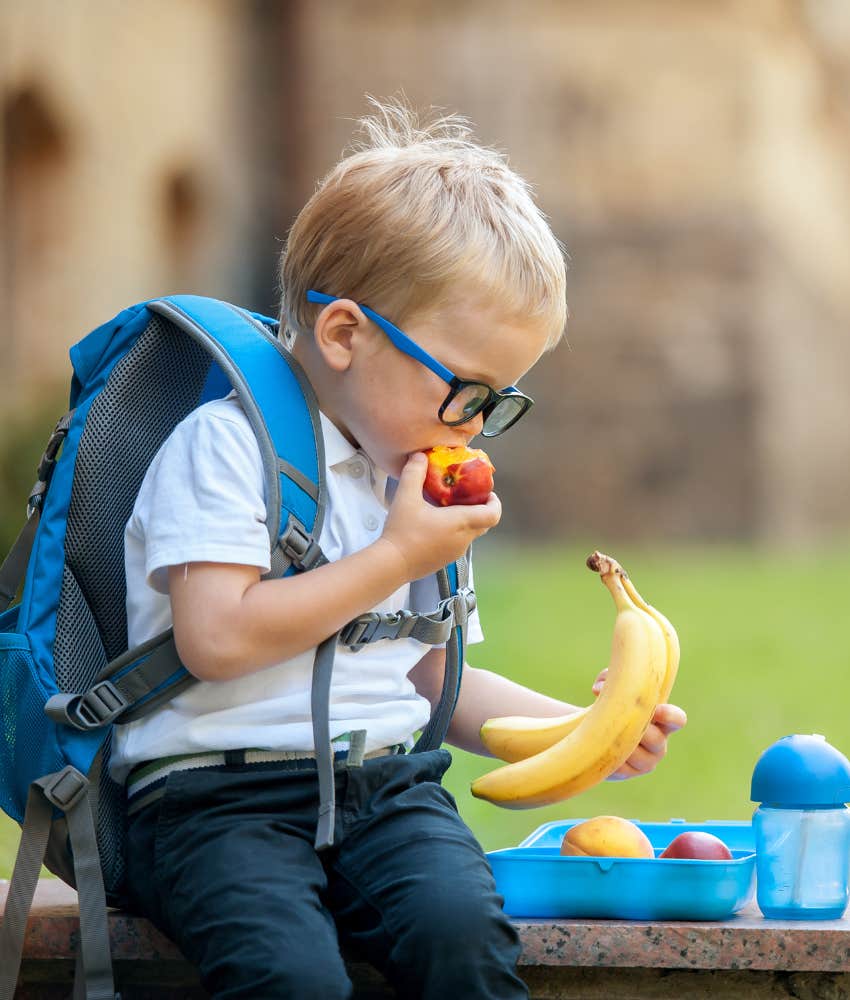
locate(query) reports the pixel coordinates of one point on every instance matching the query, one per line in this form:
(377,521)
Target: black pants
(224,864)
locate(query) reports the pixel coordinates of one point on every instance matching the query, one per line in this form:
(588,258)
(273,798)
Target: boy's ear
(334,332)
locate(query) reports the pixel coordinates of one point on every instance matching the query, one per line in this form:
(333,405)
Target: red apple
(697,844)
(457,474)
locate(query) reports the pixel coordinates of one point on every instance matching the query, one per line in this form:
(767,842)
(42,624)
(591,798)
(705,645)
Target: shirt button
(371,522)
(357,469)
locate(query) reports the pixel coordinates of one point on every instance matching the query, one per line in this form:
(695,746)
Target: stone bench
(746,956)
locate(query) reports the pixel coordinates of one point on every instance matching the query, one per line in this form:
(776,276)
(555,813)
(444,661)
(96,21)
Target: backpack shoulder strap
(284,414)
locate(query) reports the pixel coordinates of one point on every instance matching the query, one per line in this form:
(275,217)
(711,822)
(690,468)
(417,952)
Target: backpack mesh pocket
(28,748)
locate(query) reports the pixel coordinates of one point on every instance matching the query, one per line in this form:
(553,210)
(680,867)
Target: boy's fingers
(669,718)
(489,513)
(477,518)
(413,474)
(494,507)
(654,739)
(643,760)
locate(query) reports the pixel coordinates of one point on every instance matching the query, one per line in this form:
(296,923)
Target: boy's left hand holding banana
(653,745)
(621,735)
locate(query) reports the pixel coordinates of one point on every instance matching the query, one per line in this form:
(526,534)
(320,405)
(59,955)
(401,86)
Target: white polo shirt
(202,500)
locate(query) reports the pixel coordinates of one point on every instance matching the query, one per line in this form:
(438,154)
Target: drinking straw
(796,891)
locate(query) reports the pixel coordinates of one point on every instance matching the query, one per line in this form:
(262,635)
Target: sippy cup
(802,829)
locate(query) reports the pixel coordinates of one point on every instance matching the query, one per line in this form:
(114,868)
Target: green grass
(764,654)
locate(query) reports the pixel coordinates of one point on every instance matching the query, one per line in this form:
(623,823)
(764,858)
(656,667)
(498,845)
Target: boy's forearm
(278,619)
(487,695)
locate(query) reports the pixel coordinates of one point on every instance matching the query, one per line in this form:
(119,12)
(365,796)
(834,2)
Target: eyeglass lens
(505,412)
(498,415)
(466,403)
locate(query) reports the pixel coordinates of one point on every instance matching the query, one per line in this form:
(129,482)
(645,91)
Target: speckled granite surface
(747,941)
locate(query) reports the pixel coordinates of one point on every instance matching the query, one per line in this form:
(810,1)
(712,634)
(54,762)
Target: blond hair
(415,213)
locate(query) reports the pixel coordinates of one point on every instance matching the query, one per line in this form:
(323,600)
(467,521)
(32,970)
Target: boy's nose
(473,427)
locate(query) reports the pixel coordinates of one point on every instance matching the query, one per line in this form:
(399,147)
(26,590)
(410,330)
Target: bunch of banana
(554,759)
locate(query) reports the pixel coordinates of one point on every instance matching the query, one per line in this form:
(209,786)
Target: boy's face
(392,401)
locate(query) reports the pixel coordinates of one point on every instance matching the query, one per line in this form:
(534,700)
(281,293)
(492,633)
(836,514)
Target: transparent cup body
(802,862)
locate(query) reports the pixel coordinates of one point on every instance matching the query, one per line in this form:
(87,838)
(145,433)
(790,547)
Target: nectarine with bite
(458,475)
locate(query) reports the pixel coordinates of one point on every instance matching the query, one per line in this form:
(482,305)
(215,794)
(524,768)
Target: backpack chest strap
(432,629)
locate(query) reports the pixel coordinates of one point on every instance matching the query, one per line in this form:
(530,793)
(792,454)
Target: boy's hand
(653,745)
(429,537)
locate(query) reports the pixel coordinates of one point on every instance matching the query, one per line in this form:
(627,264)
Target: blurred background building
(694,158)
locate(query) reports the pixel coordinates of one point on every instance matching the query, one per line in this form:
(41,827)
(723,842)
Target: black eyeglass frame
(406,345)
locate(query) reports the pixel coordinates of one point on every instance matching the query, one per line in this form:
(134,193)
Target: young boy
(439,236)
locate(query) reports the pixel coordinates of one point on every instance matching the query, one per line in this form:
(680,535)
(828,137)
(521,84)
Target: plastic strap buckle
(48,462)
(372,627)
(36,497)
(99,705)
(299,546)
(359,631)
(395,625)
(66,789)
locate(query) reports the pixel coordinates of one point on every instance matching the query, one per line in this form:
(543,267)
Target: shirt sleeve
(202,499)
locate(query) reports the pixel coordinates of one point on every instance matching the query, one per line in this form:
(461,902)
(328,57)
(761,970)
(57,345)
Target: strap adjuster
(66,789)
(359,631)
(48,463)
(463,604)
(101,704)
(299,546)
(373,627)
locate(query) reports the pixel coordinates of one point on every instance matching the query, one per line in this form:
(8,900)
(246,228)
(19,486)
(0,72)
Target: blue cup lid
(801,771)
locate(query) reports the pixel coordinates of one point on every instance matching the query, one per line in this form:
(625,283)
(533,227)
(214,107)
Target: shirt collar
(337,447)
(339,450)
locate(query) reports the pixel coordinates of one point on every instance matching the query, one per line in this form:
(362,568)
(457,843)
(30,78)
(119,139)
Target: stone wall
(127,168)
(694,157)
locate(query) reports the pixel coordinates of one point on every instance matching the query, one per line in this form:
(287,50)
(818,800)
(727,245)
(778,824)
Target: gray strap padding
(298,477)
(434,733)
(323,666)
(15,564)
(278,563)
(94,926)
(67,790)
(36,829)
(116,698)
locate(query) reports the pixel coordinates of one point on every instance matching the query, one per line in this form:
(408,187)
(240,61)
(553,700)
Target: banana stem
(612,575)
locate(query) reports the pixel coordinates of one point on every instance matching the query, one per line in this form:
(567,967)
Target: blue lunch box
(536,881)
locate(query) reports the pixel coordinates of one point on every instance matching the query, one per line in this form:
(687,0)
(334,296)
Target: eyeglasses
(501,408)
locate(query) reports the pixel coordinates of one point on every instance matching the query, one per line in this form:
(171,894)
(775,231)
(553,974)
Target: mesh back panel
(149,391)
(78,654)
(157,384)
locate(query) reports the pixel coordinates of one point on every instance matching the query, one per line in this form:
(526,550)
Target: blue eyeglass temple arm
(400,339)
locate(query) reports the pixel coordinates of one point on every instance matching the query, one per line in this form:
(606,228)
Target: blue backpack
(66,675)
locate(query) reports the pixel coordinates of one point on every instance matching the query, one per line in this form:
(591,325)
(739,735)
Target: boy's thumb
(413,473)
